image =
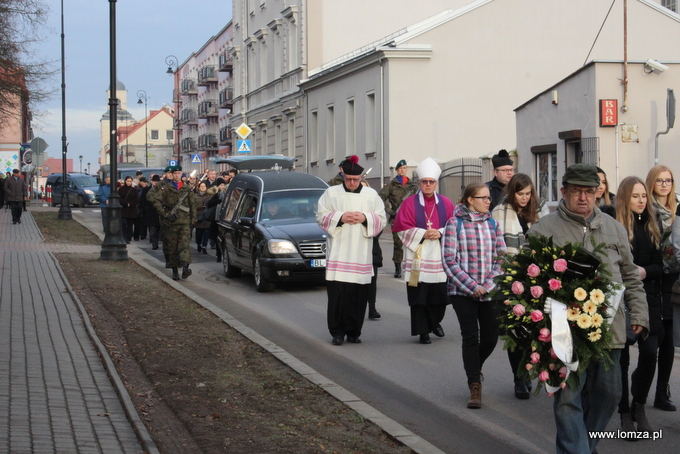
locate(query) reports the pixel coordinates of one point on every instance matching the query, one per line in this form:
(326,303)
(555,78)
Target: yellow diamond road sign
(243,131)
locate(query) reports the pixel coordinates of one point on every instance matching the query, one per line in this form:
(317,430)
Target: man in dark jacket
(393,193)
(503,171)
(16,192)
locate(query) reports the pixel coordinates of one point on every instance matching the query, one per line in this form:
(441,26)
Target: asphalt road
(423,387)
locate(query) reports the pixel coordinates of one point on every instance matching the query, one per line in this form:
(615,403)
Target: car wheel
(229,269)
(261,283)
(80,202)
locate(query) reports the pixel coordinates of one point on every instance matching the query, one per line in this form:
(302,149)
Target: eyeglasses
(667,182)
(429,182)
(486,199)
(512,170)
(352,180)
(577,192)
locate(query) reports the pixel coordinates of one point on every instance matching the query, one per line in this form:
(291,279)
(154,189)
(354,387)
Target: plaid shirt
(470,257)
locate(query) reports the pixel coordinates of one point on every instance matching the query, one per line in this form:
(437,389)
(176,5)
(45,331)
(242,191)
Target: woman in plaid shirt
(472,243)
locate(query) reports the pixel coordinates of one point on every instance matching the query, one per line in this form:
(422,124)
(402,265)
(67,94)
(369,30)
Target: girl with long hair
(472,243)
(638,216)
(519,210)
(661,184)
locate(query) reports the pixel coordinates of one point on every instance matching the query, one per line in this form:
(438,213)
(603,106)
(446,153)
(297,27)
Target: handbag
(209,213)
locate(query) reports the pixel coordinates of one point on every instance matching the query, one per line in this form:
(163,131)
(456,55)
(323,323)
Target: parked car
(82,188)
(267,223)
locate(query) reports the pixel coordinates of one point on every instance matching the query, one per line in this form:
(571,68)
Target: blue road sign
(195,158)
(243,146)
(172,162)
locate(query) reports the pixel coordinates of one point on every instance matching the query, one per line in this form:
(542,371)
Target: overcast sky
(147,31)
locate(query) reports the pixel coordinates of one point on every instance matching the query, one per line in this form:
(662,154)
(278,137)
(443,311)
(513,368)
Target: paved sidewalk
(56,394)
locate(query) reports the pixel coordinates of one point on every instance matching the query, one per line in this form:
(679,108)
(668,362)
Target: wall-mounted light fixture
(555,97)
(653,66)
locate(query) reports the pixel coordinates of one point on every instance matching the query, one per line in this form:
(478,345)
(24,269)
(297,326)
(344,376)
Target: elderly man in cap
(16,193)
(589,406)
(351,214)
(176,206)
(393,194)
(503,170)
(420,225)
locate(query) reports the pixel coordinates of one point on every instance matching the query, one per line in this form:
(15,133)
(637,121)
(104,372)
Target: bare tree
(22,78)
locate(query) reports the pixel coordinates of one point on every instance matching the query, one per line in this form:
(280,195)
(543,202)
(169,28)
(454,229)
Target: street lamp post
(65,207)
(173,66)
(88,169)
(141,94)
(113,246)
(81,163)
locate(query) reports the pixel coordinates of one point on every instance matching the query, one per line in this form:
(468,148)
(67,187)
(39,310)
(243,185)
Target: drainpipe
(305,145)
(382,123)
(616,147)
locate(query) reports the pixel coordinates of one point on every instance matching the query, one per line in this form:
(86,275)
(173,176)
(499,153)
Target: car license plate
(318,263)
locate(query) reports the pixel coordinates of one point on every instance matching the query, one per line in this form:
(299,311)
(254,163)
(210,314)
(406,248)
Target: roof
(258,162)
(278,181)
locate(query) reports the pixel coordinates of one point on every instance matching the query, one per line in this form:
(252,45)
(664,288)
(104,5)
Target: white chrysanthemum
(580,294)
(595,335)
(597,320)
(589,307)
(597,296)
(572,313)
(584,321)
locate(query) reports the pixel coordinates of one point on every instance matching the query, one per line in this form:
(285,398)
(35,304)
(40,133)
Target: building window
(546,169)
(169,134)
(670,4)
(350,129)
(314,137)
(291,137)
(370,145)
(264,141)
(154,134)
(292,45)
(277,138)
(330,132)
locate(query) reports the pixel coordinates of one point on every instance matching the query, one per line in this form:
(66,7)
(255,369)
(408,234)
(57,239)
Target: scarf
(419,207)
(665,217)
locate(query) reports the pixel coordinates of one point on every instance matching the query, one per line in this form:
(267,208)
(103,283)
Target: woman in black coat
(636,213)
(128,200)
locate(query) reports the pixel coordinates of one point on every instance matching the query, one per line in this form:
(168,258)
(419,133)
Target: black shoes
(397,270)
(154,247)
(338,340)
(205,251)
(425,339)
(663,400)
(521,389)
(353,340)
(186,272)
(175,274)
(374,315)
(438,331)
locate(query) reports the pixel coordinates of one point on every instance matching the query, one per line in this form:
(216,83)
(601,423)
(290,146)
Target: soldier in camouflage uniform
(152,195)
(393,193)
(338,179)
(177,228)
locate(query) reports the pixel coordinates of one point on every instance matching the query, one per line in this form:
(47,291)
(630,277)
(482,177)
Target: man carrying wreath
(589,406)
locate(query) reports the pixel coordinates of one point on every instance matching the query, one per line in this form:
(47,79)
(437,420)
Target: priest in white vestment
(352,215)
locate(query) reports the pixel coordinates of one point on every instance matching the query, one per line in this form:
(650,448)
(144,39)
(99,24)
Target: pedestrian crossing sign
(195,158)
(243,146)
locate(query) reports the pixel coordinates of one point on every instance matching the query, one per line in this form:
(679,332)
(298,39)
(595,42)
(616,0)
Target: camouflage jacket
(393,193)
(336,180)
(165,196)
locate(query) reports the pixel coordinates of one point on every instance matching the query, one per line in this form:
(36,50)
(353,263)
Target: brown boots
(475,396)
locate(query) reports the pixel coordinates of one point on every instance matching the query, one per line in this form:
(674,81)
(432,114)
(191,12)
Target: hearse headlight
(282,247)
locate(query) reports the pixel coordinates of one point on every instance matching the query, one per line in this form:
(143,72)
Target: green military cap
(400,163)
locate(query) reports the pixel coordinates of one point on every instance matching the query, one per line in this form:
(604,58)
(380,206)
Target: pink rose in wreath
(536,291)
(529,366)
(517,288)
(544,376)
(562,372)
(544,335)
(536,316)
(534,358)
(518,310)
(555,284)
(533,270)
(552,353)
(560,265)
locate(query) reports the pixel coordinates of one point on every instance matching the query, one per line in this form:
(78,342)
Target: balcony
(226,97)
(207,108)
(207,75)
(176,97)
(188,117)
(207,142)
(188,87)
(225,135)
(188,145)
(225,62)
